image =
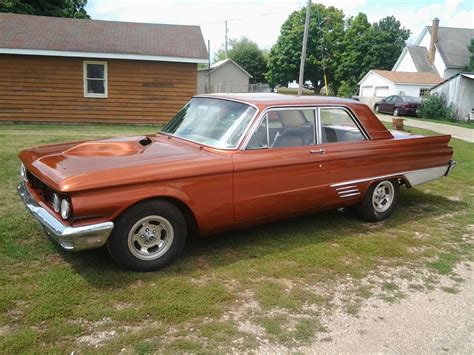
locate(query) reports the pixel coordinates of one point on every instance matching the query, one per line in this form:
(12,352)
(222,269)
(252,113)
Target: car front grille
(44,190)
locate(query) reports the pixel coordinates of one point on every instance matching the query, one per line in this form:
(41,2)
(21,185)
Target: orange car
(223,162)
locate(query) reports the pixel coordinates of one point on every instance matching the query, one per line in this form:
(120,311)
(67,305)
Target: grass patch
(287,271)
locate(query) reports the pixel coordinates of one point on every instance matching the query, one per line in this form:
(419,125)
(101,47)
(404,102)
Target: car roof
(273,99)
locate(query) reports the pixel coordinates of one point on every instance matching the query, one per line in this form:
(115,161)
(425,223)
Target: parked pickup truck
(223,162)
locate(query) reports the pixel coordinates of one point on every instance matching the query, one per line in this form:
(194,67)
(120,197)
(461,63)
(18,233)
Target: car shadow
(98,269)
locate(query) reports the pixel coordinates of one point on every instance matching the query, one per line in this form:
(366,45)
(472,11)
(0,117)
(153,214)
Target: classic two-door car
(224,161)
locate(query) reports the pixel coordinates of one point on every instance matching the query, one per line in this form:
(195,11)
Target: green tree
(353,61)
(325,35)
(366,47)
(55,8)
(248,55)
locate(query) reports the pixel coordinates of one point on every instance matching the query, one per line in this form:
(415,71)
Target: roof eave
(125,56)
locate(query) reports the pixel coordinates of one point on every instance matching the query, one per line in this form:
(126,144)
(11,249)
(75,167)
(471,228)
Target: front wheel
(376,109)
(380,200)
(396,112)
(148,236)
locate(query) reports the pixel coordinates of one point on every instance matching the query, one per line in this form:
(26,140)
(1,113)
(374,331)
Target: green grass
(234,292)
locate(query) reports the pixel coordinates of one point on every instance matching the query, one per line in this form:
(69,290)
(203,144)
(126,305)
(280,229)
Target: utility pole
(303,51)
(209,67)
(226,30)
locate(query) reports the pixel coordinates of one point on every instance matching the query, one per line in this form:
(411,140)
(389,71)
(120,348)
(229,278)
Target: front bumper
(70,238)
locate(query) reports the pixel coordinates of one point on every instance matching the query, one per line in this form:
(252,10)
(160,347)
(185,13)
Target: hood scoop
(145,141)
(109,148)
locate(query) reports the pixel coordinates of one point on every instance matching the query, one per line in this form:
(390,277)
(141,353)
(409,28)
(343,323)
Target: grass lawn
(237,291)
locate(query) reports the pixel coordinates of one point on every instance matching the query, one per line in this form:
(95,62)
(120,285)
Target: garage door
(381,91)
(367,91)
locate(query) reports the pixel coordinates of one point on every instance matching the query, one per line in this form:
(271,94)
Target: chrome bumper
(70,238)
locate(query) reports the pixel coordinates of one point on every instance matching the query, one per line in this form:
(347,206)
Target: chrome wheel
(383,196)
(396,113)
(377,108)
(150,238)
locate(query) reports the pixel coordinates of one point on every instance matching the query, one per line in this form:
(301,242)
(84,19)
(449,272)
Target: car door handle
(318,151)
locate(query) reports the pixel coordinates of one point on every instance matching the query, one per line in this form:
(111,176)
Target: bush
(436,107)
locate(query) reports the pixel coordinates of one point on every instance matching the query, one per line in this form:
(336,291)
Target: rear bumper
(70,238)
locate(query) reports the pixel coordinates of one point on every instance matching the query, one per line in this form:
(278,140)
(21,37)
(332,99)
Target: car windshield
(214,122)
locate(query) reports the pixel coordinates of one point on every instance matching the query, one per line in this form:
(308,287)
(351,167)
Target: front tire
(148,236)
(396,112)
(380,200)
(376,109)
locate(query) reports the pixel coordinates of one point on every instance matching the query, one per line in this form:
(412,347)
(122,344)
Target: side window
(285,128)
(338,126)
(390,99)
(95,79)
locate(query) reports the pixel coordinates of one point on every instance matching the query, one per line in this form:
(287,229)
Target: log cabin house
(76,70)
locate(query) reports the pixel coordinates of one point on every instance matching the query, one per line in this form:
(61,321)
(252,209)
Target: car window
(338,126)
(388,99)
(285,128)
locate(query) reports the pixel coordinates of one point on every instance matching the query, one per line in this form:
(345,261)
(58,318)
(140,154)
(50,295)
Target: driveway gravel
(432,322)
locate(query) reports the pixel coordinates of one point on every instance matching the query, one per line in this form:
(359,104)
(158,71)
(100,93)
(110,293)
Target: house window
(424,92)
(95,79)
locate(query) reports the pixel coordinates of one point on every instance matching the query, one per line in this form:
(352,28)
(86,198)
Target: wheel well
(188,214)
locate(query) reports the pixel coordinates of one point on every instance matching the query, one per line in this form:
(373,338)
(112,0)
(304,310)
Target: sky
(260,20)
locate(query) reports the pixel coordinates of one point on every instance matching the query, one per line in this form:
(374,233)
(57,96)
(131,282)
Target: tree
(248,55)
(55,8)
(366,47)
(325,35)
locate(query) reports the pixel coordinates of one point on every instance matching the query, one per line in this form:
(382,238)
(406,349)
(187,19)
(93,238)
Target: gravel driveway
(433,322)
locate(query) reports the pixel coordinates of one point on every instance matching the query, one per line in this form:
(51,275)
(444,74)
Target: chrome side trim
(346,187)
(347,191)
(349,195)
(70,238)
(414,177)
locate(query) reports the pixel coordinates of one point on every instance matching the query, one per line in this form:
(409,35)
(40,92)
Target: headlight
(56,203)
(23,172)
(65,208)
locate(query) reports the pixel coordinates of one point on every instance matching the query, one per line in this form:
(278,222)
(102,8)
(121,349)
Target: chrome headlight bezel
(23,172)
(65,208)
(56,203)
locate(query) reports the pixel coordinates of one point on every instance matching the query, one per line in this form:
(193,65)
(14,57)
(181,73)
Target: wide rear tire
(148,236)
(380,200)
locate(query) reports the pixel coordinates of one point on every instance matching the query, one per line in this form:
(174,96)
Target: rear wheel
(380,200)
(148,236)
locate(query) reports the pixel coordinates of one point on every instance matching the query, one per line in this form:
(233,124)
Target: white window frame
(106,80)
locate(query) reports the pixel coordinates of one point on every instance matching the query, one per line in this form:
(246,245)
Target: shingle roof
(220,63)
(26,32)
(401,77)
(420,58)
(452,45)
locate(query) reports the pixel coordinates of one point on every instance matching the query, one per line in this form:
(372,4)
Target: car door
(347,148)
(386,106)
(280,169)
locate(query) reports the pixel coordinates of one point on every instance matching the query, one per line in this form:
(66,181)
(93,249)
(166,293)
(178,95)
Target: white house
(383,83)
(438,50)
(226,76)
(459,92)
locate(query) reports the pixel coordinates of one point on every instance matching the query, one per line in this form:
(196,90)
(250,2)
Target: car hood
(117,161)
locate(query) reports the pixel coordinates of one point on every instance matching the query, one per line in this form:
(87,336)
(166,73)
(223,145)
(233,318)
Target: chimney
(434,39)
